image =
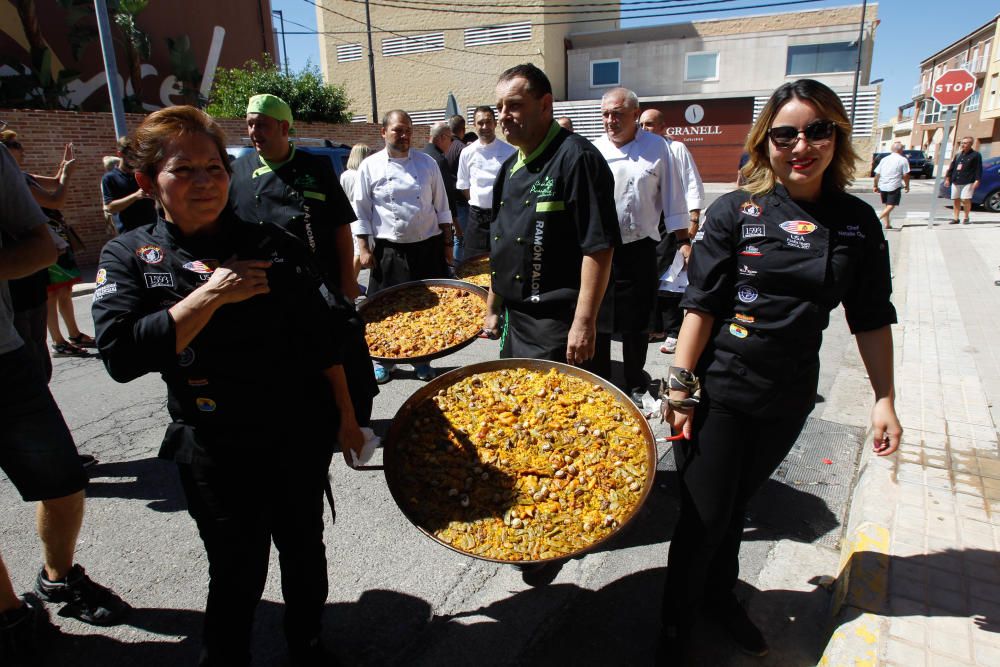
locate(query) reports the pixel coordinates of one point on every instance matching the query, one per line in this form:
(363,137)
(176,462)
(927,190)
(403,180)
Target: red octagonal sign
(954,87)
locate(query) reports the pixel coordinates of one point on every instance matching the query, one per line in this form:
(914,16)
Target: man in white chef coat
(646,185)
(404,222)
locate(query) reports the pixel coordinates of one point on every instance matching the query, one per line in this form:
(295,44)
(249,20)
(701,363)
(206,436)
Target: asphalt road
(396,597)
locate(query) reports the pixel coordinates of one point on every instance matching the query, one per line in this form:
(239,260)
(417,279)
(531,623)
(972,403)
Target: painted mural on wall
(167,51)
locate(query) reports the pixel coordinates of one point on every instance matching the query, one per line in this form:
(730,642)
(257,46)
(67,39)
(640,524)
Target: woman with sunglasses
(770,262)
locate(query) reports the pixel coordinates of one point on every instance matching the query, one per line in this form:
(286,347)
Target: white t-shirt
(890,172)
(400,199)
(647,182)
(478,166)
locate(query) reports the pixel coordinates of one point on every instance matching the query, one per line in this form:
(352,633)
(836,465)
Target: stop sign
(954,87)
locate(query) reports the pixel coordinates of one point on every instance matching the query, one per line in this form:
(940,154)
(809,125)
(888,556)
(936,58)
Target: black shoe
(671,647)
(85,600)
(748,638)
(86,460)
(540,574)
(311,654)
(22,632)
(636,396)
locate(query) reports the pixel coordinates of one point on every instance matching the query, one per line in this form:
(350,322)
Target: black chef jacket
(304,197)
(770,270)
(256,363)
(301,195)
(551,208)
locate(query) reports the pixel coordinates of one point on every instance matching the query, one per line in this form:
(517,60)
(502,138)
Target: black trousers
(668,314)
(397,263)
(241,503)
(477,231)
(730,456)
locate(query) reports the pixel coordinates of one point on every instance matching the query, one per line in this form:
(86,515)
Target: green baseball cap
(271,105)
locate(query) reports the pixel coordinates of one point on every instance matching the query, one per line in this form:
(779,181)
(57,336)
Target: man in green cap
(300,192)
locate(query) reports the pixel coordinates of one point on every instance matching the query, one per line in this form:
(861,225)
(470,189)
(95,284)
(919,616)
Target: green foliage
(185,68)
(305,92)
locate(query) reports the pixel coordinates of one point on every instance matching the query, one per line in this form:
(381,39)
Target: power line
(418,62)
(439,3)
(385,30)
(768,5)
(520,11)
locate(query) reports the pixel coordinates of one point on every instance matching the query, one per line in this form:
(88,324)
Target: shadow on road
(152,479)
(558,624)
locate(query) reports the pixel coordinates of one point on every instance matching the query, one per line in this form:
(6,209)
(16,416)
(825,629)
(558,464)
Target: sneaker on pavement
(383,374)
(88,601)
(424,372)
(669,345)
(86,460)
(21,632)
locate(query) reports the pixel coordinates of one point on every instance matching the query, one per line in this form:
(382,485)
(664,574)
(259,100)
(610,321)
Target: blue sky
(910,31)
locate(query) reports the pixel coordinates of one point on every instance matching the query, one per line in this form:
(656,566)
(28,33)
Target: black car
(337,153)
(920,165)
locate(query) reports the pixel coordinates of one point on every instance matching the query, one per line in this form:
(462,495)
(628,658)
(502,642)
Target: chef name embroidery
(544,187)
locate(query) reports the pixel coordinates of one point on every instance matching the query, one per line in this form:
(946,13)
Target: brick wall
(45,133)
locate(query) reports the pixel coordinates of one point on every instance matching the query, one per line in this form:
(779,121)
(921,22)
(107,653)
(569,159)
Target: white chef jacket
(478,166)
(400,199)
(647,183)
(694,191)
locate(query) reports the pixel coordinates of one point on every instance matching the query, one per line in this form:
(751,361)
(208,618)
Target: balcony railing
(920,90)
(903,126)
(976,66)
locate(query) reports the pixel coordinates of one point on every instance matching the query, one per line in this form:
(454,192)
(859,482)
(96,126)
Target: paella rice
(475,271)
(420,320)
(521,465)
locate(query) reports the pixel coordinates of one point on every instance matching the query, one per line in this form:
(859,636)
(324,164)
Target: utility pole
(857,70)
(110,68)
(371,64)
(284,47)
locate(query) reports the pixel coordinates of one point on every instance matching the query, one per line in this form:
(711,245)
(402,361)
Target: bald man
(667,315)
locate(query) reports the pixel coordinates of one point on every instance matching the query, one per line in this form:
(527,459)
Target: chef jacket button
(741,371)
(496,238)
(517,276)
(520,240)
(527,203)
(493,273)
(502,203)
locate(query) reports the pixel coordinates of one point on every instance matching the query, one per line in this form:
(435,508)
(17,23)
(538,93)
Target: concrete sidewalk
(919,582)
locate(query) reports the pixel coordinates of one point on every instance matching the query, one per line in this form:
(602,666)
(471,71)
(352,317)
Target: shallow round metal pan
(466,262)
(392,461)
(436,282)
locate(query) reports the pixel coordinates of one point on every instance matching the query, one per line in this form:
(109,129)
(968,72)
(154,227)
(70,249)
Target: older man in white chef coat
(646,185)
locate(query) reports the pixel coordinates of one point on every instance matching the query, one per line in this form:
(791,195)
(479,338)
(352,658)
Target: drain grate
(806,499)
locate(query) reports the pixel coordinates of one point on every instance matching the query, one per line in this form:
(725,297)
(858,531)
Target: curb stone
(861,590)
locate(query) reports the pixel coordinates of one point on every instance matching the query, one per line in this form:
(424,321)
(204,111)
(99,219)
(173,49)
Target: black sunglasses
(816,133)
(16,145)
